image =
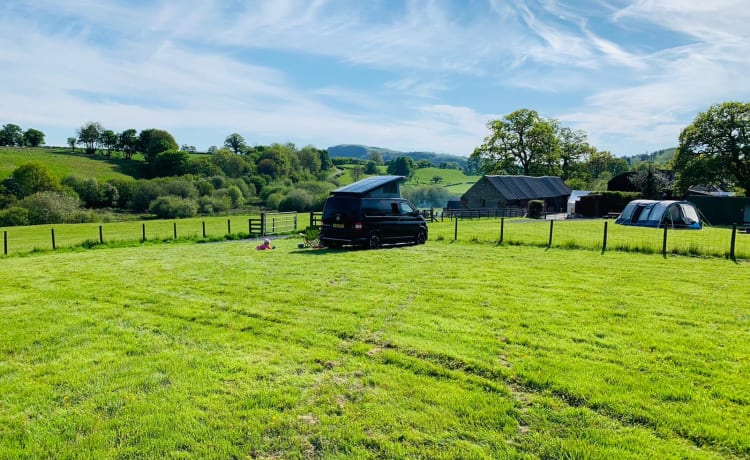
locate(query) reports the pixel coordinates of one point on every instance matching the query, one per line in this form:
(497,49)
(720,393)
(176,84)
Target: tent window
(689,213)
(637,213)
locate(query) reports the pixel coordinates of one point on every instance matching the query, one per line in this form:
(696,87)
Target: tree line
(13,136)
(714,150)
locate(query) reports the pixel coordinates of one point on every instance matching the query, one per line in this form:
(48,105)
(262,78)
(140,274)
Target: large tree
(109,140)
(402,166)
(11,135)
(89,135)
(128,142)
(154,141)
(573,149)
(236,143)
(522,141)
(33,137)
(715,148)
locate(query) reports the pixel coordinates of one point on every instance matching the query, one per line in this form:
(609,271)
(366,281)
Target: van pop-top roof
(372,187)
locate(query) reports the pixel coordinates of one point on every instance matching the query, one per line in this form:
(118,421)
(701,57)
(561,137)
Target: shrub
(235,194)
(34,177)
(178,186)
(299,200)
(273,200)
(53,208)
(204,187)
(143,194)
(428,196)
(536,208)
(88,189)
(125,189)
(168,207)
(213,205)
(14,216)
(203,166)
(171,163)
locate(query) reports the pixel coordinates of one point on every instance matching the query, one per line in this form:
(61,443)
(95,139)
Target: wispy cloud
(414,75)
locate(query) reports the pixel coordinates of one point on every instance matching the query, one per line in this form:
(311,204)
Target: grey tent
(664,213)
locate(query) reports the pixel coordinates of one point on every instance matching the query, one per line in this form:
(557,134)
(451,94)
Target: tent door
(747,213)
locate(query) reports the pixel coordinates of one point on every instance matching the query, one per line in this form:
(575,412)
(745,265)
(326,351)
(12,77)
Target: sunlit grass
(589,234)
(447,350)
(62,162)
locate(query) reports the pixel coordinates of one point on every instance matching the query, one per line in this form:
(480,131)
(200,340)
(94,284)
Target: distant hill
(660,157)
(363,152)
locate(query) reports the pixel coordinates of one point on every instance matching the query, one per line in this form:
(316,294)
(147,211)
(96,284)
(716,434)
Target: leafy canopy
(715,148)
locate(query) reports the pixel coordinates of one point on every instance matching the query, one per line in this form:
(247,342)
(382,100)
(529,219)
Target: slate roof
(529,188)
(367,185)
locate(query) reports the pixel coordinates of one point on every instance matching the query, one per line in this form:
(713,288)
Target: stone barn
(497,192)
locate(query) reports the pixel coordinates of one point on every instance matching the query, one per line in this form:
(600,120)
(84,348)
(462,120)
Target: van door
(409,221)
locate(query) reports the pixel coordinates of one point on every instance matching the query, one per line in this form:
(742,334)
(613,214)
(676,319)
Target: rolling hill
(363,152)
(62,162)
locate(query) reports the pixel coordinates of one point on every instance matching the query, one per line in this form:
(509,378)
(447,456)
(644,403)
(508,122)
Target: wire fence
(46,237)
(596,234)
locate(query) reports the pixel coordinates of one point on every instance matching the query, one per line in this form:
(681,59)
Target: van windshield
(346,206)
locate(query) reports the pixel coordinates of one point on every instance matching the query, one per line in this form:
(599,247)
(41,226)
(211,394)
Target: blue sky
(407,75)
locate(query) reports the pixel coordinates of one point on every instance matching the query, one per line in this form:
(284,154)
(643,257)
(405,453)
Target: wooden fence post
(263,224)
(229,226)
(204,228)
(5,242)
(53,239)
(549,243)
(144,233)
(732,243)
(604,242)
(664,244)
(175,230)
(455,231)
(502,229)
(101,235)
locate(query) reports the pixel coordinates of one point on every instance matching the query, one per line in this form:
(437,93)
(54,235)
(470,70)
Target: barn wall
(482,190)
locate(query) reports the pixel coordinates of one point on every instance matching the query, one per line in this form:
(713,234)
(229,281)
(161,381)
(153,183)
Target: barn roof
(529,188)
(368,184)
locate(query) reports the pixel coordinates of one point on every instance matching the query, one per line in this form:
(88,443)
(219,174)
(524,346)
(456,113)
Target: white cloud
(186,67)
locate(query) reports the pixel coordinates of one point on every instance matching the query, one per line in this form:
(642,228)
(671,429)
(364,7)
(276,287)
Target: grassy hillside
(62,162)
(363,152)
(435,351)
(660,157)
(454,180)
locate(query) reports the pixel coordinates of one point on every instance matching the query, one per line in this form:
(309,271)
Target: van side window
(405,208)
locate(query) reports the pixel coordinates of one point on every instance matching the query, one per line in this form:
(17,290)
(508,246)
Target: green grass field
(447,350)
(62,163)
(21,240)
(585,234)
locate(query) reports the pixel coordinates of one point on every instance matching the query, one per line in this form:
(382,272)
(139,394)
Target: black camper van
(370,213)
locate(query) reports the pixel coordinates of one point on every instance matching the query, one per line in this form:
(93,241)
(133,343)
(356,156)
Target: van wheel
(374,242)
(421,237)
